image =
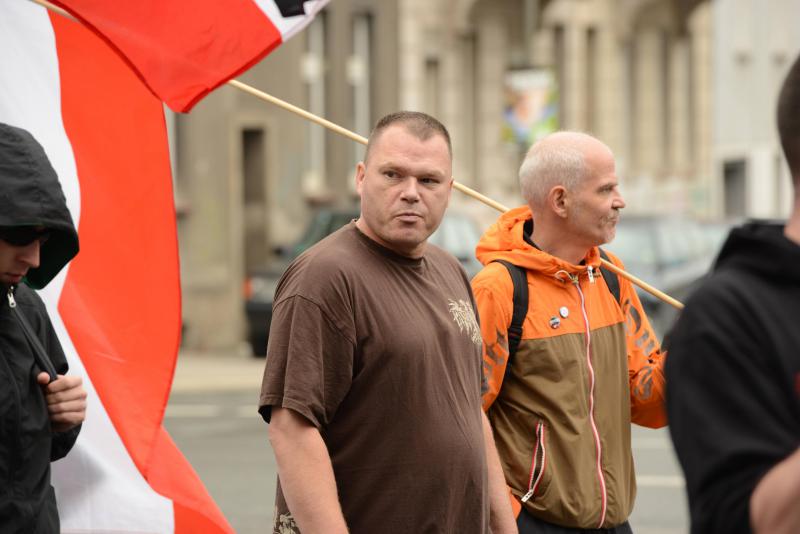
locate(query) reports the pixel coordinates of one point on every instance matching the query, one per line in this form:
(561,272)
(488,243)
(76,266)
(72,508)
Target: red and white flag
(184,49)
(116,307)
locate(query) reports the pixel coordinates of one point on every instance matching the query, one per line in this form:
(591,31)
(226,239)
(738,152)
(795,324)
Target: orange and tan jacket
(585,368)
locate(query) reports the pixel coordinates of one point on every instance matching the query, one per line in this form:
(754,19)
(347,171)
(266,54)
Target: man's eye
(390,174)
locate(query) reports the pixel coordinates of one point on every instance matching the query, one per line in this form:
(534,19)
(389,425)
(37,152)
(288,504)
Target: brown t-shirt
(382,354)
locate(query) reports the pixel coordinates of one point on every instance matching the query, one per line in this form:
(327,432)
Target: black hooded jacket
(733,376)
(30,194)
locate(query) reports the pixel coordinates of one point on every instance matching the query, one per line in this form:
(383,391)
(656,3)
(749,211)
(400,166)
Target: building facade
(675,87)
(248,174)
(754,46)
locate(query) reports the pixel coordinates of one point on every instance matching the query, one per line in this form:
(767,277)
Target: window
(432,86)
(314,72)
(254,199)
(591,80)
(734,176)
(359,73)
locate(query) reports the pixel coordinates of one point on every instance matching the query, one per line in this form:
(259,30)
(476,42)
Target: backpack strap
(612,280)
(520,281)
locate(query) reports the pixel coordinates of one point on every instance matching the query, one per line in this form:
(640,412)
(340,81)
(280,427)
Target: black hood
(761,247)
(31,195)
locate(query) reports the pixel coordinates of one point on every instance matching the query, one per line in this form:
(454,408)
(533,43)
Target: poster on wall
(531,106)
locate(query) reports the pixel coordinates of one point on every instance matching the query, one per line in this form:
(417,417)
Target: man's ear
(361,172)
(558,200)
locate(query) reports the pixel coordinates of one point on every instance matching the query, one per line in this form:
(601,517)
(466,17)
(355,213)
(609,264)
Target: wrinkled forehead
(406,134)
(403,149)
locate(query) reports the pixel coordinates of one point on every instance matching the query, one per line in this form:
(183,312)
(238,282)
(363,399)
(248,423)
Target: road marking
(646,444)
(660,481)
(193,410)
(207,411)
(248,411)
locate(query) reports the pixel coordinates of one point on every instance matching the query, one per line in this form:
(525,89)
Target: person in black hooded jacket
(40,409)
(733,371)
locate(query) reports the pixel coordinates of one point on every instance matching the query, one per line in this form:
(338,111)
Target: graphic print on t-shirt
(284,524)
(464,316)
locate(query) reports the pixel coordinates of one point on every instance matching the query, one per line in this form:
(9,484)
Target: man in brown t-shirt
(372,385)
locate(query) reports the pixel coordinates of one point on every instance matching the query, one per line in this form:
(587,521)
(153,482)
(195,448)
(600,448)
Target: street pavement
(212,416)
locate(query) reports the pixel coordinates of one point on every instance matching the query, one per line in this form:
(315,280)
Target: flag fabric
(116,307)
(184,49)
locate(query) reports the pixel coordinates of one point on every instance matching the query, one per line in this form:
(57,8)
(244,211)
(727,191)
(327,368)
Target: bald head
(561,158)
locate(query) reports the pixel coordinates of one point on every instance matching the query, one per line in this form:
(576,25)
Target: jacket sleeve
(494,292)
(645,361)
(62,441)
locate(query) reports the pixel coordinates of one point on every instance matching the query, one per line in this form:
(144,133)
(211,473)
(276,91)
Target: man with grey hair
(569,357)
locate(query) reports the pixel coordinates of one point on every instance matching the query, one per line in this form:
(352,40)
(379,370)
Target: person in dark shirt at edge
(39,418)
(733,374)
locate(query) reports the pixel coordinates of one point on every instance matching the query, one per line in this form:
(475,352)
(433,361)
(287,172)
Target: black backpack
(520,280)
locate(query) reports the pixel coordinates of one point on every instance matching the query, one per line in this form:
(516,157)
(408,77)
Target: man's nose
(30,254)
(619,202)
(410,192)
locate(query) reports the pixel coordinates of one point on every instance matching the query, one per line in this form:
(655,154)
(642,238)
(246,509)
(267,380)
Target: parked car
(458,234)
(670,253)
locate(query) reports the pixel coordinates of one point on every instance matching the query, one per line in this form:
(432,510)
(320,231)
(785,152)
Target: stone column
(573,96)
(411,51)
(211,233)
(609,90)
(649,141)
(495,174)
(458,104)
(679,163)
(702,89)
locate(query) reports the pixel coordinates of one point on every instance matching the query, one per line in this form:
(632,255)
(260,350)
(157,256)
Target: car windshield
(660,242)
(634,245)
(458,235)
(324,223)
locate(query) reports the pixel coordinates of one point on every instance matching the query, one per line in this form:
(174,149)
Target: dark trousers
(528,524)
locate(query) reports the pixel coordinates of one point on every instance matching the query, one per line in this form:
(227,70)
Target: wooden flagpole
(347,133)
(363,140)
(461,187)
(55,9)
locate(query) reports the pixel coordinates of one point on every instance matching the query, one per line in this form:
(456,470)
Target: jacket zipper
(536,476)
(595,432)
(12,468)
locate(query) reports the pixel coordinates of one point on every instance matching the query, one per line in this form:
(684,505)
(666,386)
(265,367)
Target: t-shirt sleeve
(309,365)
(729,420)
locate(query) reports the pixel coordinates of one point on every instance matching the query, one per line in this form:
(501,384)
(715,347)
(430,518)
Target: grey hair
(558,159)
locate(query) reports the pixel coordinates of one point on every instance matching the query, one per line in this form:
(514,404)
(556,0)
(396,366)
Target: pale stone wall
(753,47)
(674,87)
(210,175)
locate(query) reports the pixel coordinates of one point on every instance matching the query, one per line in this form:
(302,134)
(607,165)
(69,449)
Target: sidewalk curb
(197,372)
